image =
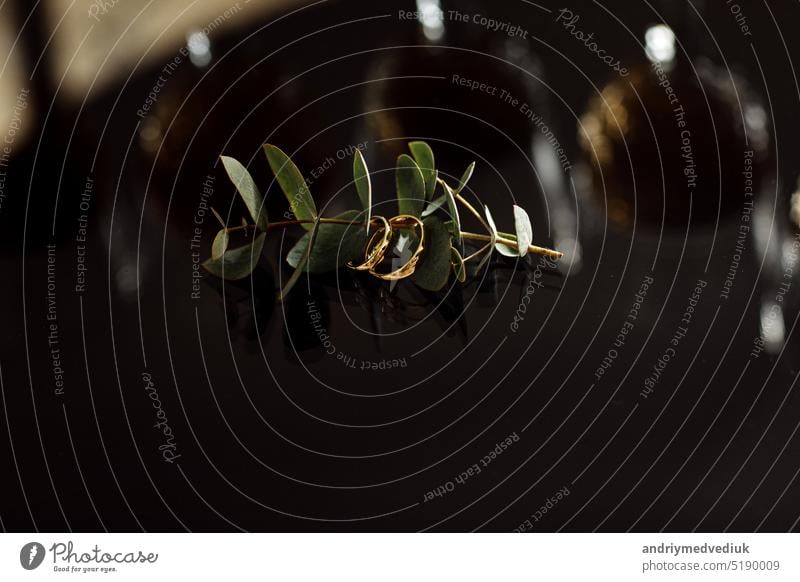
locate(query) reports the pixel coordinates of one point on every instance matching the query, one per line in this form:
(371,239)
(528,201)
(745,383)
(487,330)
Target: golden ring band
(381,240)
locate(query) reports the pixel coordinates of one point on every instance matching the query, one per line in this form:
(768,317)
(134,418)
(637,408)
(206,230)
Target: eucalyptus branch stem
(513,244)
(321,221)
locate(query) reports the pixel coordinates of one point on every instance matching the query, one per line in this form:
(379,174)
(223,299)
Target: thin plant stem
(467,235)
(513,244)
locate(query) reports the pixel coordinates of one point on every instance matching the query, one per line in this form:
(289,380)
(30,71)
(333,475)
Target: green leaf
(465,178)
(423,155)
(433,269)
(490,222)
(220,244)
(435,205)
(410,186)
(248,190)
(293,185)
(301,263)
(500,247)
(492,243)
(506,250)
(453,210)
(363,184)
(522,224)
(459,268)
(335,245)
(237,263)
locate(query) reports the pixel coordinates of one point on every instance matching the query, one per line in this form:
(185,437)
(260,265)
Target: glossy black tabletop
(645,382)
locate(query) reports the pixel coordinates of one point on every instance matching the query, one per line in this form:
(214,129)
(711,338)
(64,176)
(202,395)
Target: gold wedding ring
(404,221)
(374,255)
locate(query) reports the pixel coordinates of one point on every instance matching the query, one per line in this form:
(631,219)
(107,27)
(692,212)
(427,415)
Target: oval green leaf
(465,177)
(220,244)
(293,185)
(335,245)
(248,190)
(506,250)
(490,222)
(363,184)
(522,224)
(237,263)
(410,186)
(423,155)
(433,269)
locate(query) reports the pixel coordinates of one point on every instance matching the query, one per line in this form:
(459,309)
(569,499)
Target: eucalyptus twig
(513,244)
(331,243)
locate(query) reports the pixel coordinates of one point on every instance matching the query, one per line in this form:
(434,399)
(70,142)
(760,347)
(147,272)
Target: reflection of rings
(374,255)
(405,221)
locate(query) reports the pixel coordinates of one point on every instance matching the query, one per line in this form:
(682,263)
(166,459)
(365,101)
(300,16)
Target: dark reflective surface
(652,374)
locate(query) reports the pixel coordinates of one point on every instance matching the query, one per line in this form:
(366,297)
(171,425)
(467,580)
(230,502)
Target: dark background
(276,435)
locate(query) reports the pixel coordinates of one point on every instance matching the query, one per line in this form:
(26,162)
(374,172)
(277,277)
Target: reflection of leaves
(307,313)
(522,224)
(237,263)
(248,190)
(363,184)
(249,303)
(423,155)
(433,270)
(410,186)
(449,309)
(335,245)
(293,185)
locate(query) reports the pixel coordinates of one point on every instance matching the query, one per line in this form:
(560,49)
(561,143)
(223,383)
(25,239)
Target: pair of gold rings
(380,242)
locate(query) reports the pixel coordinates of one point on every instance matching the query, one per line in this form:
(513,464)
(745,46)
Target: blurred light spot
(126,279)
(564,218)
(790,256)
(660,43)
(572,261)
(794,207)
(767,237)
(432,19)
(546,163)
(150,134)
(773,330)
(199,46)
(756,117)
